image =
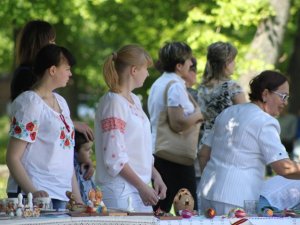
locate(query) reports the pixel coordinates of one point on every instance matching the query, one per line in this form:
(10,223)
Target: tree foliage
(93,29)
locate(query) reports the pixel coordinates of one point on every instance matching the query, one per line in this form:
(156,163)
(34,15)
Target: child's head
(83,148)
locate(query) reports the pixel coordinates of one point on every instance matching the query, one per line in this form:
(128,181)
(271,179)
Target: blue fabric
(264,203)
(84,185)
(58,204)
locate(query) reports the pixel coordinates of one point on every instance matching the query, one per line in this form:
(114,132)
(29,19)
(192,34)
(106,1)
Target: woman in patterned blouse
(217,90)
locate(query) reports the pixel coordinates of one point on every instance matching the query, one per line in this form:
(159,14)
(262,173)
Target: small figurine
(183,200)
(20,200)
(10,208)
(71,201)
(95,196)
(130,207)
(19,212)
(90,207)
(30,202)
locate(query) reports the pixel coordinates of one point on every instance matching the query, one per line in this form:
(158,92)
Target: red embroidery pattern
(113,123)
(20,130)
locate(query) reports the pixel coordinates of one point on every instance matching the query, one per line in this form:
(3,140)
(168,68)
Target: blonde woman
(123,137)
(217,90)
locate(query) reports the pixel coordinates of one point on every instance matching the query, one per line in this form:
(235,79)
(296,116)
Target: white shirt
(281,192)
(48,157)
(177,96)
(244,140)
(122,135)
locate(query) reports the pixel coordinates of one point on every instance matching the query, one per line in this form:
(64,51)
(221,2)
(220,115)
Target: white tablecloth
(65,220)
(225,221)
(142,220)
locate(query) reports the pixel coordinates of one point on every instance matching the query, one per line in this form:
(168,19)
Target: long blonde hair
(117,62)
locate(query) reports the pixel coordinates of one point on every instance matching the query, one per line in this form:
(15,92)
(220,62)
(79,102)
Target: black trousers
(175,176)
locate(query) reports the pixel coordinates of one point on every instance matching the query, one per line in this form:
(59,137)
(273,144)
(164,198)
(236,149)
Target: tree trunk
(293,71)
(266,43)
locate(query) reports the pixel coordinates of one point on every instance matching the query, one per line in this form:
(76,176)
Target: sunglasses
(284,97)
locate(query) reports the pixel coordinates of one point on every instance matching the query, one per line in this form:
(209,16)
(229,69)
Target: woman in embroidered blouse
(32,38)
(123,137)
(175,62)
(41,145)
(245,138)
(217,91)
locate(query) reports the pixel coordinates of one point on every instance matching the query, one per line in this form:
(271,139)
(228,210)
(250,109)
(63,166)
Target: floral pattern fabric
(213,100)
(50,148)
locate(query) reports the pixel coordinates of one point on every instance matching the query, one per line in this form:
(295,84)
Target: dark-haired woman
(245,139)
(41,144)
(175,63)
(35,35)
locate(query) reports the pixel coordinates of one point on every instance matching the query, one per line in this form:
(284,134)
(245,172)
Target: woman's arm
(147,194)
(178,122)
(287,168)
(15,151)
(85,129)
(75,189)
(239,98)
(203,156)
(158,184)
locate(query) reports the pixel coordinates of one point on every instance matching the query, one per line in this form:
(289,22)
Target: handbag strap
(166,95)
(166,91)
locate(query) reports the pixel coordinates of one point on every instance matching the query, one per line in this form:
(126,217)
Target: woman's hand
(85,129)
(148,195)
(89,170)
(39,194)
(158,184)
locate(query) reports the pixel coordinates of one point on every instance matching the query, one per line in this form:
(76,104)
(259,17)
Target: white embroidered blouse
(48,157)
(122,135)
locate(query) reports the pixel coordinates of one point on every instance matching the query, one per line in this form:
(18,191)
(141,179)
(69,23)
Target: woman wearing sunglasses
(244,140)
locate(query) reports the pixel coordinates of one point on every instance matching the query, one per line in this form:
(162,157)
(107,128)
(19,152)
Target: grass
(4,124)
(3,182)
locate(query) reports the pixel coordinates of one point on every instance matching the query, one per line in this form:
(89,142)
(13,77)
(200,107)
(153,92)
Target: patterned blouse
(50,148)
(84,185)
(213,100)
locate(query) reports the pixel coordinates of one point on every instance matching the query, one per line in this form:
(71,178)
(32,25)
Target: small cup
(42,202)
(250,207)
(12,203)
(2,205)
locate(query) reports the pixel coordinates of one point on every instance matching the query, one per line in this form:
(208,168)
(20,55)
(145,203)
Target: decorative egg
(186,213)
(268,212)
(210,213)
(240,213)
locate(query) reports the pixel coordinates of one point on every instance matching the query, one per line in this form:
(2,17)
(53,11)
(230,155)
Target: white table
(142,220)
(95,220)
(226,221)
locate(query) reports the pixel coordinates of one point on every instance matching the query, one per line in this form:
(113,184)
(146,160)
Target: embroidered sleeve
(24,122)
(113,125)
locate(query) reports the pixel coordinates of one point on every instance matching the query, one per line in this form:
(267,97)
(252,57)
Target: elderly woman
(244,140)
